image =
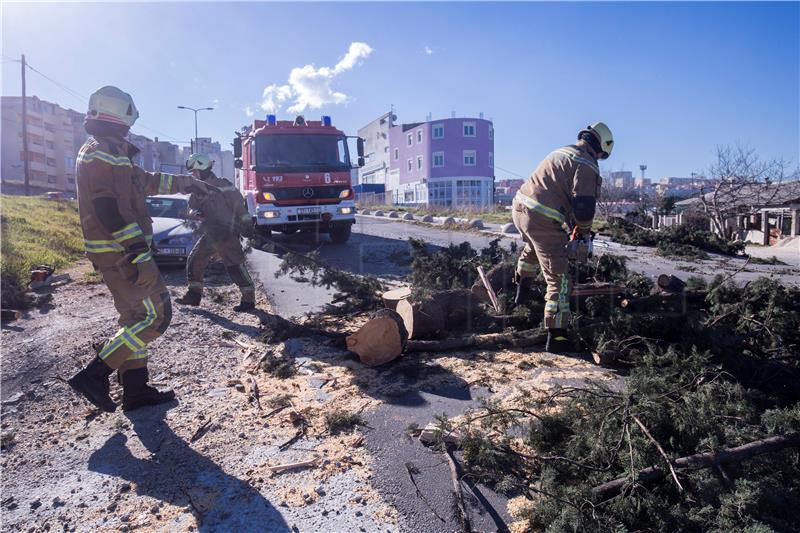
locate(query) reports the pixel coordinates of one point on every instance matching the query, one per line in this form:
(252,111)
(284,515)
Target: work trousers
(545,245)
(144,315)
(229,250)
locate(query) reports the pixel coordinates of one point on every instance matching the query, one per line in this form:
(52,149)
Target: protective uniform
(561,191)
(117,232)
(224,218)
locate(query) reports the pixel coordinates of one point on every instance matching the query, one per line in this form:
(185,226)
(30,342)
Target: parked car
(58,195)
(173,234)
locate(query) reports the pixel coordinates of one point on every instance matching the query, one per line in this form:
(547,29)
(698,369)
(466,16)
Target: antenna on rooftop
(642,168)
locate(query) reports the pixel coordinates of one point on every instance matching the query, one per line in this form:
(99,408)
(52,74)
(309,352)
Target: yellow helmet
(603,135)
(113,105)
(199,162)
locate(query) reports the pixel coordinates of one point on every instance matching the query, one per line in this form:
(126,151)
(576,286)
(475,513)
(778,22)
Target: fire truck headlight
(347,193)
(345,210)
(268,196)
(270,214)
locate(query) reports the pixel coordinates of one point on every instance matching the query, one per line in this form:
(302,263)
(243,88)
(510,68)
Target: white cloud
(309,87)
(248,111)
(428,50)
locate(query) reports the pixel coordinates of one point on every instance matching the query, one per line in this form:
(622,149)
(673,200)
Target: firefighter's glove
(148,273)
(580,247)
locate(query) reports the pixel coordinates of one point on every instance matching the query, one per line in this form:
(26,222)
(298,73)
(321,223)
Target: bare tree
(740,183)
(610,197)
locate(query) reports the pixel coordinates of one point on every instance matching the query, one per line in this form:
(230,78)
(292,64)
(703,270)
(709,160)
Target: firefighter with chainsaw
(118,233)
(561,193)
(223,219)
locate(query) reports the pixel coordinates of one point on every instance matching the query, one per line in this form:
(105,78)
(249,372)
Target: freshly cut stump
(382,339)
(422,319)
(392,297)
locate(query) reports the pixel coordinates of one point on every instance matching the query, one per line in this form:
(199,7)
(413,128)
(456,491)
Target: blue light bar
(272,120)
(326,120)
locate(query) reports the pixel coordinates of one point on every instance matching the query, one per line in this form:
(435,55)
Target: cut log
(382,339)
(606,358)
(493,341)
(9,315)
(665,302)
(700,460)
(421,319)
(597,289)
(671,284)
(390,298)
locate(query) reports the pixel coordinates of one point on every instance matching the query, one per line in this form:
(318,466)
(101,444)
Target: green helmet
(199,162)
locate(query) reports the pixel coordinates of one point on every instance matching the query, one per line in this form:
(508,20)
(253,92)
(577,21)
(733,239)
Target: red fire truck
(295,176)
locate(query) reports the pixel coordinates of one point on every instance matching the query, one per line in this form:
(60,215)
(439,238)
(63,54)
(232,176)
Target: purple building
(447,162)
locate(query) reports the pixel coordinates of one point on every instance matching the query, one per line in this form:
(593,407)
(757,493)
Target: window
(51,162)
(396,154)
(469,158)
(419,162)
(51,179)
(469,129)
(438,159)
(438,131)
(410,165)
(69,162)
(410,139)
(51,145)
(71,181)
(48,126)
(491,159)
(419,136)
(491,132)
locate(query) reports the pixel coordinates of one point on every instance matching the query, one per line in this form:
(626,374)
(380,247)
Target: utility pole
(25,152)
(194,148)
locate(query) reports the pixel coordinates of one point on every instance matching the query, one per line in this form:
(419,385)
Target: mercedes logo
(308,192)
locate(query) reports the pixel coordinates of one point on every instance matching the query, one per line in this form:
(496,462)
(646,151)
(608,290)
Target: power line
(510,172)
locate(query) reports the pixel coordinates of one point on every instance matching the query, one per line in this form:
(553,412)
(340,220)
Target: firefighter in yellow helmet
(223,219)
(117,232)
(561,193)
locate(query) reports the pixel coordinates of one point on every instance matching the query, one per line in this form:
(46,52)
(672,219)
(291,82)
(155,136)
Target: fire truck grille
(308,193)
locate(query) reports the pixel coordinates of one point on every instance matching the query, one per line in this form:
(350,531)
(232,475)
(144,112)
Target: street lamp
(195,120)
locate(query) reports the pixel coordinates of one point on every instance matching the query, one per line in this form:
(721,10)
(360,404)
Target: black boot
(190,298)
(137,393)
(244,305)
(558,342)
(92,384)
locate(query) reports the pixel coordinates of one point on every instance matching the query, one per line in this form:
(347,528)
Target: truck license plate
(172,251)
(308,210)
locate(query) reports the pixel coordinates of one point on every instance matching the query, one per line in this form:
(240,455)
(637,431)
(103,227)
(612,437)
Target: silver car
(173,234)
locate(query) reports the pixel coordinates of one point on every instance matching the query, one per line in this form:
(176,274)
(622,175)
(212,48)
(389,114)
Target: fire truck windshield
(302,153)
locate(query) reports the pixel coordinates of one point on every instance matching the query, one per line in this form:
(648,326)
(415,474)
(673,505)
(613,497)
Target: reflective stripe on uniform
(165,187)
(575,155)
(524,266)
(196,285)
(563,293)
(100,246)
(542,209)
(128,232)
(105,157)
(142,257)
(128,335)
(138,354)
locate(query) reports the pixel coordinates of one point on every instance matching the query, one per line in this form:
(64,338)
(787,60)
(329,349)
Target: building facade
(622,179)
(376,150)
(447,162)
(54,135)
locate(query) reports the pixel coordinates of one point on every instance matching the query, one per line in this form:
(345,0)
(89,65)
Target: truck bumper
(322,217)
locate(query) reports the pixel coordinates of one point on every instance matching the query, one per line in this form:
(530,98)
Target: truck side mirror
(238,163)
(237,148)
(360,149)
(360,162)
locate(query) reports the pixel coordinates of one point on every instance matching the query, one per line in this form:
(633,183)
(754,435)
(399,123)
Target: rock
(509,228)
(14,398)
(58,502)
(125,487)
(476,223)
(218,393)
(408,216)
(393,214)
(359,513)
(35,504)
(428,219)
(448,221)
(319,490)
(239,387)
(111,507)
(378,213)
(7,439)
(365,211)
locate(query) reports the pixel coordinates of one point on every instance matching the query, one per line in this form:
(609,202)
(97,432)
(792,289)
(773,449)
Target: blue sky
(672,80)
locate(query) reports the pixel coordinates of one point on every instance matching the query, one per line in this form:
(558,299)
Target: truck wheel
(289,231)
(341,233)
(261,237)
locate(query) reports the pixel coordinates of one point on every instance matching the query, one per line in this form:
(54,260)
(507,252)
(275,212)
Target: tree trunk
(456,309)
(700,460)
(492,341)
(390,298)
(665,302)
(422,319)
(382,339)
